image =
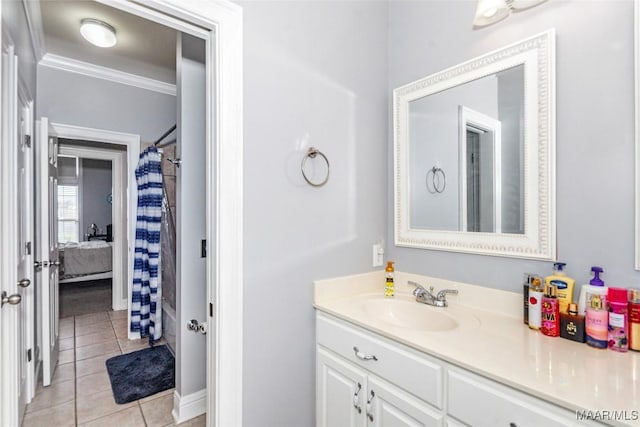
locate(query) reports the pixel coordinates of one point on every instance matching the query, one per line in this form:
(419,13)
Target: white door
(389,406)
(48,261)
(11,395)
(24,250)
(340,392)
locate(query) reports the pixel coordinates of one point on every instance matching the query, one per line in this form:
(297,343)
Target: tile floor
(80,392)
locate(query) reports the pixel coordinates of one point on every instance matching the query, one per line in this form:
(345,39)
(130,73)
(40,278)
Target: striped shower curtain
(146,312)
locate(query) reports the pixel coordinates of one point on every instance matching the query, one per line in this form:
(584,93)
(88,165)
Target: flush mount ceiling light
(491,11)
(98,33)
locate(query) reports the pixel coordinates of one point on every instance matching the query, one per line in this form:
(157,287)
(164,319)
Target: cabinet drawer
(398,364)
(478,402)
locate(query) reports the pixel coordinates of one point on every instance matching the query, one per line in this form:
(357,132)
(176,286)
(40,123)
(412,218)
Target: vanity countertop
(499,345)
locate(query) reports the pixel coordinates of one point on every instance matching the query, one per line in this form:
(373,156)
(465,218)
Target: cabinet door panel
(340,391)
(393,407)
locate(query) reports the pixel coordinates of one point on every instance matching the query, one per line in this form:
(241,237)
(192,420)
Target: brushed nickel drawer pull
(361,356)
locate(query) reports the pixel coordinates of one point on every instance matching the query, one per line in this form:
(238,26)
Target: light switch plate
(378,255)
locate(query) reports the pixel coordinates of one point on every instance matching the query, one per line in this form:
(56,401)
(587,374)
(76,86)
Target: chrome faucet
(426,296)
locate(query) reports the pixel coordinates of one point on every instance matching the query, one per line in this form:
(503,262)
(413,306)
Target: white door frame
(119,209)
(219,23)
(132,142)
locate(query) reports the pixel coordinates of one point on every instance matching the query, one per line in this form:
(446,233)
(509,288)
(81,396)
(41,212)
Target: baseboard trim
(189,406)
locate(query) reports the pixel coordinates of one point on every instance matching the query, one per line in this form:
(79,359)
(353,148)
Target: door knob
(24,283)
(12,299)
(55,263)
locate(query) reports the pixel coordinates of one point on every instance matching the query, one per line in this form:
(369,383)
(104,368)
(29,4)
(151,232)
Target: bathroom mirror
(474,155)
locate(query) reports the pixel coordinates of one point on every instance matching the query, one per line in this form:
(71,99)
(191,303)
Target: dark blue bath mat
(141,373)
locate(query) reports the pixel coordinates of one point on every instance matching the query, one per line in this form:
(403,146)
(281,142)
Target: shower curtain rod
(164,135)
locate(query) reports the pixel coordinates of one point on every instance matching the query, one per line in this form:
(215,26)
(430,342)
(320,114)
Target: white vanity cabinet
(364,379)
(353,387)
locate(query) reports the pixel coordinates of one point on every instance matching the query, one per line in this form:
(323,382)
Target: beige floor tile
(66,332)
(158,395)
(55,394)
(120,314)
(121,326)
(65,356)
(63,373)
(157,412)
(194,422)
(94,350)
(131,417)
(92,328)
(97,405)
(59,416)
(65,343)
(91,318)
(93,365)
(95,338)
(127,346)
(93,383)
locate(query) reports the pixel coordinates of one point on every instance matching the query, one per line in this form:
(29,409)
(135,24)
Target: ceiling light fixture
(491,11)
(98,33)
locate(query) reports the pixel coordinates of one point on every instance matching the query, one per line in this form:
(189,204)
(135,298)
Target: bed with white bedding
(83,261)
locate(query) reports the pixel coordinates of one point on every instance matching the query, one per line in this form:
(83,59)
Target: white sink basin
(404,312)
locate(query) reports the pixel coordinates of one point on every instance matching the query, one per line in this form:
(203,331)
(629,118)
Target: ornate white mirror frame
(538,241)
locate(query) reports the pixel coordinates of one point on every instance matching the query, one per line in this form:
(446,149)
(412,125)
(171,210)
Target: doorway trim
(119,210)
(219,23)
(132,142)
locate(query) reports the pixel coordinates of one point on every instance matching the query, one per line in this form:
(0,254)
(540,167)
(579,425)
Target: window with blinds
(68,203)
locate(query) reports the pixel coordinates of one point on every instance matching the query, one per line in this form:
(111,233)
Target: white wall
(314,75)
(96,185)
(80,100)
(14,21)
(595,128)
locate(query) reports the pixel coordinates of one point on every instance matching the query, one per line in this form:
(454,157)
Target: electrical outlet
(378,255)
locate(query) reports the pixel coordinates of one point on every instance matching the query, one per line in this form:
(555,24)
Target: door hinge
(203,248)
(27,140)
(210,309)
(27,248)
(29,356)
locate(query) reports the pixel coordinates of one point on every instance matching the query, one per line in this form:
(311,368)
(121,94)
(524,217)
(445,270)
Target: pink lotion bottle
(618,319)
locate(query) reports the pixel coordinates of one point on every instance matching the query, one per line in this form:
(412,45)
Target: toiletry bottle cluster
(603,317)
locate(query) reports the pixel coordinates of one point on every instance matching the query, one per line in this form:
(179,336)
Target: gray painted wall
(314,75)
(595,128)
(96,185)
(80,100)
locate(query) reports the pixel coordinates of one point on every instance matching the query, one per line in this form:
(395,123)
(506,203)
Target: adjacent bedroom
(85,195)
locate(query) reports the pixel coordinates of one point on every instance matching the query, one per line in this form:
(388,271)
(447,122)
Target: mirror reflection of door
(480,190)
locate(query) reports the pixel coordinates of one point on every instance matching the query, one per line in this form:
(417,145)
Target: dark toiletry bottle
(572,324)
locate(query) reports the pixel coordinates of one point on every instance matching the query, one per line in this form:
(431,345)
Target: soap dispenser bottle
(595,286)
(389,287)
(564,285)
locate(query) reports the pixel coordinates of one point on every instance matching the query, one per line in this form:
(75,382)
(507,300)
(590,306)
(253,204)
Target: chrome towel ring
(312,153)
(438,180)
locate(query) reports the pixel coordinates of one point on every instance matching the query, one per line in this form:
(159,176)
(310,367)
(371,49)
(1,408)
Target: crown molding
(99,72)
(36,29)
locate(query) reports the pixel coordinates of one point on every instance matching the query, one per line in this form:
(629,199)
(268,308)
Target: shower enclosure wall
(168,248)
